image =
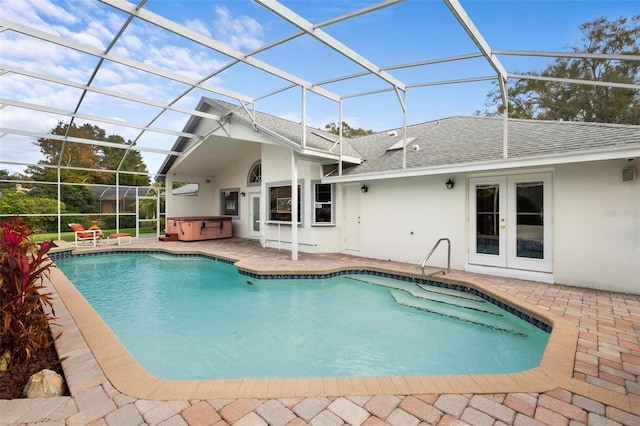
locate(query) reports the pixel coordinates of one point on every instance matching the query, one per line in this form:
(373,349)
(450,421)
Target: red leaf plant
(24,323)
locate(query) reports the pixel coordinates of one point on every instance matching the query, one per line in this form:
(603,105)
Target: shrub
(23,264)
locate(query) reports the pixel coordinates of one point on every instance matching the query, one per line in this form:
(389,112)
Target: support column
(118,206)
(294,206)
(59,203)
(505,126)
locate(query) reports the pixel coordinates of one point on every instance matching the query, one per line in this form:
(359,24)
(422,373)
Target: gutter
(631,151)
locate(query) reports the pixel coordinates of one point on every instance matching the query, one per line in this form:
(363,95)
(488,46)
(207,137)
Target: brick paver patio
(604,389)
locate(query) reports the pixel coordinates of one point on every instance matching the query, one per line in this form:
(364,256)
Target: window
(229,202)
(280,197)
(323,204)
(255,174)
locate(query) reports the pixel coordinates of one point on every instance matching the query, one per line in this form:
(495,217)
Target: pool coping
(130,378)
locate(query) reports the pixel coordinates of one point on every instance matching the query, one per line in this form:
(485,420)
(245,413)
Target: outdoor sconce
(450,184)
(244,194)
(364,189)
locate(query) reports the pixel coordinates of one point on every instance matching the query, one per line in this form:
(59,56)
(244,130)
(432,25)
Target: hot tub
(197,228)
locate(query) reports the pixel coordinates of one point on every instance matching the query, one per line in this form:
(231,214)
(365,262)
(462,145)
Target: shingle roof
(288,129)
(449,141)
(458,140)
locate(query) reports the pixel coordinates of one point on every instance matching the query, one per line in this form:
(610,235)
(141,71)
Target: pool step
(390,282)
(450,292)
(459,300)
(484,319)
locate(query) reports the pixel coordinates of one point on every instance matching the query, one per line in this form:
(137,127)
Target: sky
(404,33)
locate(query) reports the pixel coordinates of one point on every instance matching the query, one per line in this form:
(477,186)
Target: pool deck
(588,375)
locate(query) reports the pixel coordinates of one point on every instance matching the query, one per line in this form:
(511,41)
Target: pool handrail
(431,252)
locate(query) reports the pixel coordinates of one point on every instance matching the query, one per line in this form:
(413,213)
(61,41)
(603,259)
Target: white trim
(513,261)
(511,273)
(498,259)
(486,166)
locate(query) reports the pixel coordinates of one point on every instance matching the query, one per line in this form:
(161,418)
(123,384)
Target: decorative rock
(44,384)
(5,360)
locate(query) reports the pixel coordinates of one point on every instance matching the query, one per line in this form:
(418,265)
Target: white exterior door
(487,221)
(510,222)
(254,214)
(352,219)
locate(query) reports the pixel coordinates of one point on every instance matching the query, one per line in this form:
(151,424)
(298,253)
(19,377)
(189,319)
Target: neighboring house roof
(109,192)
(446,142)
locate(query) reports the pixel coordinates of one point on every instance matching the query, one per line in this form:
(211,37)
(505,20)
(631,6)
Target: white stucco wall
(597,227)
(276,167)
(235,176)
(403,218)
(190,205)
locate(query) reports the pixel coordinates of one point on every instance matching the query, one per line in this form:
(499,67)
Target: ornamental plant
(23,265)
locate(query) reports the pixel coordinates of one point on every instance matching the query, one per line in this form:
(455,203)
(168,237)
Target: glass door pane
(529,226)
(255,201)
(488,219)
(530,220)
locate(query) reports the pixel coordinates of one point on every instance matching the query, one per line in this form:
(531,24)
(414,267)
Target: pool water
(197,318)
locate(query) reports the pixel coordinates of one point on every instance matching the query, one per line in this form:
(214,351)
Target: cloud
(240,33)
(37,13)
(198,26)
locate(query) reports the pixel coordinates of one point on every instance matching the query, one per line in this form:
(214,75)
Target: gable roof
(436,144)
(279,129)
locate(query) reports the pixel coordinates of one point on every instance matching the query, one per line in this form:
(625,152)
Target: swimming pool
(193,317)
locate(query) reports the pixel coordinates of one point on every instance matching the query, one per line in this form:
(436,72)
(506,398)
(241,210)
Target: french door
(510,221)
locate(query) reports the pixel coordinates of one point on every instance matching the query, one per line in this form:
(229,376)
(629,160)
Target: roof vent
(416,147)
(392,134)
(400,144)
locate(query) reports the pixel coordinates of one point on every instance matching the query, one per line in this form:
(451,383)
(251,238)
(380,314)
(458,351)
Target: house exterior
(556,202)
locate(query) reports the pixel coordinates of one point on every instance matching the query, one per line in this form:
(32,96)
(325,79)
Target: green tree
(86,162)
(131,161)
(6,175)
(529,98)
(79,155)
(347,130)
(13,202)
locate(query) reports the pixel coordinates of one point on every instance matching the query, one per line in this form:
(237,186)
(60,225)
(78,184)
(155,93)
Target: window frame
(250,174)
(315,202)
(269,186)
(223,202)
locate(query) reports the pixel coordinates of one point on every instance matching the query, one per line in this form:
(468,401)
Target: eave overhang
(630,152)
